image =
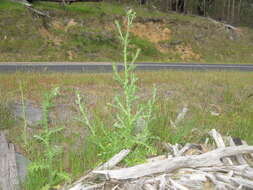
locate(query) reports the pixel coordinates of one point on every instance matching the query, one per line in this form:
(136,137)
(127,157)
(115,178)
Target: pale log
(211,158)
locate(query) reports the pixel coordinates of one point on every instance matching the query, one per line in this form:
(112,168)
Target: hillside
(86,32)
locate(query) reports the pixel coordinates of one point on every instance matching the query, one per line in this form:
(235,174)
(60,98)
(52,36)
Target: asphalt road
(107,67)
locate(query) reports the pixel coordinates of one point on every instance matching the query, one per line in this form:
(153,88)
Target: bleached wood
(241,170)
(187,147)
(235,180)
(148,187)
(239,157)
(174,149)
(78,185)
(24,2)
(179,118)
(39,13)
(217,138)
(114,160)
(211,158)
(90,187)
(153,159)
(8,166)
(181,115)
(223,24)
(245,143)
(177,185)
(218,184)
(219,143)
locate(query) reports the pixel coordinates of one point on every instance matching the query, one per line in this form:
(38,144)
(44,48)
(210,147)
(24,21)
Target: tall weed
(130,129)
(42,173)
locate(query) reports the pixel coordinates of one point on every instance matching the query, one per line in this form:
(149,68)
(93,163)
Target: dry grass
(230,94)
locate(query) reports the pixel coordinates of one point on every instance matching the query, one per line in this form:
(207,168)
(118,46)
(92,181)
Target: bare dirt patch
(186,52)
(154,32)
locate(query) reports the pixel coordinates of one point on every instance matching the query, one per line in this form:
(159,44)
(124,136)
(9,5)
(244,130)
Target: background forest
(230,11)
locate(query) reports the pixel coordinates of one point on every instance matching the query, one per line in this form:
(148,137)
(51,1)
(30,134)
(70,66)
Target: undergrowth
(42,172)
(130,129)
(131,120)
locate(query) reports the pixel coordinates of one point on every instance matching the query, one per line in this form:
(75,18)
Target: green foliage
(10,5)
(147,48)
(132,119)
(42,173)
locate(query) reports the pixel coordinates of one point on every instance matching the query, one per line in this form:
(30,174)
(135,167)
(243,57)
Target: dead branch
(79,185)
(211,158)
(220,143)
(37,12)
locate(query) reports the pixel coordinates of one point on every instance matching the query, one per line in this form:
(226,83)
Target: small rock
(33,113)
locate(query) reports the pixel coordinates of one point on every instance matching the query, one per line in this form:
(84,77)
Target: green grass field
(226,93)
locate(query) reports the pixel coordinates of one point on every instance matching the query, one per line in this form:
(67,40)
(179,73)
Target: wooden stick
(211,158)
(40,13)
(78,185)
(177,185)
(114,160)
(237,180)
(245,143)
(239,158)
(187,147)
(220,143)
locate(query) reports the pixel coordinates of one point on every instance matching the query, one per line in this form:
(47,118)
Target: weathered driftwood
(211,158)
(235,180)
(24,2)
(239,157)
(245,143)
(79,185)
(114,160)
(180,117)
(187,147)
(226,26)
(37,12)
(181,170)
(242,170)
(220,143)
(8,167)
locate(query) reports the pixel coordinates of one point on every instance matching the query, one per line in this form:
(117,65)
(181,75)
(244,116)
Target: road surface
(107,67)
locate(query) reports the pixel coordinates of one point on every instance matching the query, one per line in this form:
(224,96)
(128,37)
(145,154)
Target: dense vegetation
(85,32)
(231,11)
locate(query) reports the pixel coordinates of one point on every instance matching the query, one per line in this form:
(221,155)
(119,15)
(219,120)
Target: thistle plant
(130,129)
(44,168)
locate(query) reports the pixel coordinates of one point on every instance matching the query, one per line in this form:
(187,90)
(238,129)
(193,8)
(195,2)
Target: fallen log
(8,167)
(212,158)
(227,26)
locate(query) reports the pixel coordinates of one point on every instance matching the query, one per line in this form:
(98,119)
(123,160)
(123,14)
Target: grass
(92,37)
(111,129)
(229,93)
(7,120)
